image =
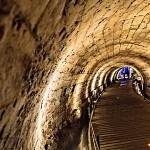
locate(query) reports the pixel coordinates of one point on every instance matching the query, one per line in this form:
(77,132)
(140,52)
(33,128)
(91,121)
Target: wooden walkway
(122,119)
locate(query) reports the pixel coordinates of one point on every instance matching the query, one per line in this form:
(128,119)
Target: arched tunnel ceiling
(122,28)
(50,53)
(105,34)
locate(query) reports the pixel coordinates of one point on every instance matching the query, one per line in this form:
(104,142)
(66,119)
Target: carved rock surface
(50,52)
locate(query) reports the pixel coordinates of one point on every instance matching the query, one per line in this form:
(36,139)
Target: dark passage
(122,119)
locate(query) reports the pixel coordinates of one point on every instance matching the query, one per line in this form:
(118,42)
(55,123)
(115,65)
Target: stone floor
(122,119)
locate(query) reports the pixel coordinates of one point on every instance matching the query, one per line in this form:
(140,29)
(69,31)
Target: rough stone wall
(32,37)
(50,52)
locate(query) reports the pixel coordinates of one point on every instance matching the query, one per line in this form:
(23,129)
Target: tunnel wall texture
(50,52)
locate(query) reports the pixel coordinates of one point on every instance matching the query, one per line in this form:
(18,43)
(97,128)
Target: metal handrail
(92,134)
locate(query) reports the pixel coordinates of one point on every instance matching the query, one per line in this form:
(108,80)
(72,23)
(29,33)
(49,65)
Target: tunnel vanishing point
(54,54)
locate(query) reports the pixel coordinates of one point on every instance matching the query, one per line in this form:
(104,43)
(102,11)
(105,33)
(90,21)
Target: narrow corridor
(122,119)
(56,57)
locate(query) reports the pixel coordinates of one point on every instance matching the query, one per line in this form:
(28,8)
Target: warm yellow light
(148,144)
(78,113)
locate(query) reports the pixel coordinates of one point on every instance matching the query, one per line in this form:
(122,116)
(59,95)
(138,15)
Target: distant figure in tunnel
(124,75)
(128,74)
(98,143)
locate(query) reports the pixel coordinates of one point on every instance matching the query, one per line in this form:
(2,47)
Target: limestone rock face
(53,51)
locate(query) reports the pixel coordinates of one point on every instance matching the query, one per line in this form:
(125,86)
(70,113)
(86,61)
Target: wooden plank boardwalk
(122,119)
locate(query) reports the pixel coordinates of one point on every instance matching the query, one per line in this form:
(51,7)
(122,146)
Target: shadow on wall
(72,134)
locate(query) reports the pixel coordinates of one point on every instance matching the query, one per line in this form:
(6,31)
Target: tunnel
(55,55)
